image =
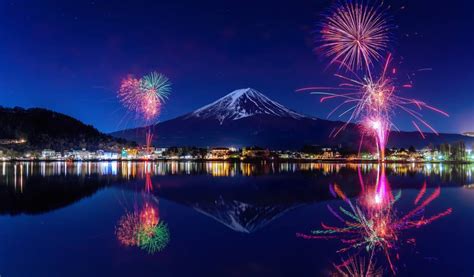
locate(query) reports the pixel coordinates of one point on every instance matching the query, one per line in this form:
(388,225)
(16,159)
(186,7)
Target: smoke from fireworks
(355,34)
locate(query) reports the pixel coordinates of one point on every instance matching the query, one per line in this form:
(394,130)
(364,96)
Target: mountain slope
(43,128)
(242,103)
(246,117)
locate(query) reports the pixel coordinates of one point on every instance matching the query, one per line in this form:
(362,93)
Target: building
(218,153)
(103,155)
(82,154)
(129,154)
(159,152)
(48,154)
(255,153)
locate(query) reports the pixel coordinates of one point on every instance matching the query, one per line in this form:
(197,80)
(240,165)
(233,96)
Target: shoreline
(329,161)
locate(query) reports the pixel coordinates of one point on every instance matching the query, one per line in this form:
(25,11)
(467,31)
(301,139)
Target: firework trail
(371,102)
(355,34)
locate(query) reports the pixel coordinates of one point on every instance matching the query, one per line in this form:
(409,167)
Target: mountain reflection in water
(217,206)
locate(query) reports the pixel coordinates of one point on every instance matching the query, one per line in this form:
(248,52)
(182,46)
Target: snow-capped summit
(243,103)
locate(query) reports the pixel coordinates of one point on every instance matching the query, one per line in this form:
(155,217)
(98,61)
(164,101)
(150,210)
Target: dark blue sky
(70,56)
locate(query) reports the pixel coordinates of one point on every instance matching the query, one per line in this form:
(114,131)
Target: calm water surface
(231,219)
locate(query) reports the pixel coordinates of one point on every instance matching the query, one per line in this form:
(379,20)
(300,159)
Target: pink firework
(129,94)
(144,97)
(127,229)
(372,101)
(355,34)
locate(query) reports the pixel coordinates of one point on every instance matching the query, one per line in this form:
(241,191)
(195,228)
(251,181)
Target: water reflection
(15,172)
(372,224)
(143,227)
(114,210)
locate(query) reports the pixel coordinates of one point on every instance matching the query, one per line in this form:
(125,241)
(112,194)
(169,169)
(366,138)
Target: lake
(235,219)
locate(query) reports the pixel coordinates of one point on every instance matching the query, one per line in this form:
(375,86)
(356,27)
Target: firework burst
(154,238)
(157,85)
(128,228)
(372,102)
(129,94)
(355,34)
(145,96)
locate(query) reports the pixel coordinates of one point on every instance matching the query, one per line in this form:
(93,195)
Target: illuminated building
(218,153)
(255,153)
(49,154)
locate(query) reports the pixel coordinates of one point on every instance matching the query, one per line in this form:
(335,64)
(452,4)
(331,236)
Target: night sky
(69,56)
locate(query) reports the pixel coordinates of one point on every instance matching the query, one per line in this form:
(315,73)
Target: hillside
(41,128)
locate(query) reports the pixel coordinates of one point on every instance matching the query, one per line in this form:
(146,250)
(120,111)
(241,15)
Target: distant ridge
(42,128)
(246,117)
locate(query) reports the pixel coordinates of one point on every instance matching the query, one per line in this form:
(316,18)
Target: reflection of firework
(372,101)
(154,239)
(143,229)
(358,266)
(149,216)
(128,228)
(355,35)
(375,227)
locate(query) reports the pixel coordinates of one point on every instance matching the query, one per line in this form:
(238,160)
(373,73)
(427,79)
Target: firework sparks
(155,238)
(157,85)
(128,228)
(129,94)
(368,225)
(143,229)
(355,34)
(358,266)
(144,97)
(149,216)
(372,102)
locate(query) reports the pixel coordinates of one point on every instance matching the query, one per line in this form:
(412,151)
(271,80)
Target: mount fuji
(246,117)
(243,103)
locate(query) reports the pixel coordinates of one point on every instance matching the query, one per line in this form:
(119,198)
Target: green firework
(154,239)
(157,84)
